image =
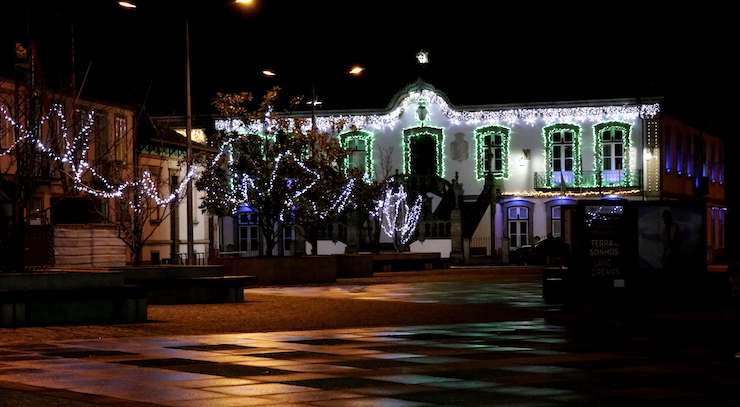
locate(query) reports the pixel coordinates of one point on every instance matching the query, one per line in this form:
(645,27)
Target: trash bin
(555,282)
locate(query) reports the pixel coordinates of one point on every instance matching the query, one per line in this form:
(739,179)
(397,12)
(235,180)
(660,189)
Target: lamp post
(188,132)
(189,147)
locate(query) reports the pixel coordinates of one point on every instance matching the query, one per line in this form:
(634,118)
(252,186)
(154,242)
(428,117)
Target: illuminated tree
(31,136)
(397,219)
(285,174)
(142,205)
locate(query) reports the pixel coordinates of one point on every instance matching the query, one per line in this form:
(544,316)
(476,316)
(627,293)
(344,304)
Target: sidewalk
(451,338)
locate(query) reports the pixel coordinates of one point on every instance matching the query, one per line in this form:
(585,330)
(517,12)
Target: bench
(72,306)
(194,289)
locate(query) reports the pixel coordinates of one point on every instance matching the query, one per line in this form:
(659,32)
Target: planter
(282,270)
(354,265)
(408,261)
(69,298)
(187,284)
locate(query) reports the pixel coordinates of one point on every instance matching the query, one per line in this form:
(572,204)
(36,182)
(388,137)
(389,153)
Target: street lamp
(355,70)
(188,131)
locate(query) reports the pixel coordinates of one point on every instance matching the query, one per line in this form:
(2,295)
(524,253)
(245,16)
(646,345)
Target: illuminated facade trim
(437,135)
(367,139)
(492,151)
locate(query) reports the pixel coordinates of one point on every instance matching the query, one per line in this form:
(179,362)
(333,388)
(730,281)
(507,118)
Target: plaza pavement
(458,337)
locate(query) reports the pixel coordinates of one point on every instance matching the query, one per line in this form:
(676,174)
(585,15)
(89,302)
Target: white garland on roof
(503,116)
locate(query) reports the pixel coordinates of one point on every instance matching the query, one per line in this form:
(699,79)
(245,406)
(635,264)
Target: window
(57,140)
(361,144)
(562,151)
(288,238)
(101,136)
(709,163)
(717,226)
(669,154)
(611,149)
(249,237)
(679,153)
(359,149)
(554,210)
(120,130)
(720,157)
(689,154)
(564,162)
(518,220)
(492,151)
(556,220)
(7,137)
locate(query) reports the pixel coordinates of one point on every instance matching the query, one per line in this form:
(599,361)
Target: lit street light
(188,131)
(356,71)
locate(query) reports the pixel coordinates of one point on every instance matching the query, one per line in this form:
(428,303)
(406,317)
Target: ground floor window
(288,239)
(249,234)
(518,222)
(717,226)
(555,221)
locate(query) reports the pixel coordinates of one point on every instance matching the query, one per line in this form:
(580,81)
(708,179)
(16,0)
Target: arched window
(249,234)
(518,225)
(563,155)
(611,150)
(555,215)
(518,216)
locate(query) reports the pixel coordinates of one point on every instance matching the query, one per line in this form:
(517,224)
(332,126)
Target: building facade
(162,151)
(495,177)
(59,157)
(103,189)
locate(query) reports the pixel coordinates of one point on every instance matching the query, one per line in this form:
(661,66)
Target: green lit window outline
(503,148)
(626,130)
(577,170)
(437,134)
(368,139)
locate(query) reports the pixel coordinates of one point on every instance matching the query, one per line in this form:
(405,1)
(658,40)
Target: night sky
(481,52)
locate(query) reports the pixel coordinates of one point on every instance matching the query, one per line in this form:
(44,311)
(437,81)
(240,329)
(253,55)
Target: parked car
(538,253)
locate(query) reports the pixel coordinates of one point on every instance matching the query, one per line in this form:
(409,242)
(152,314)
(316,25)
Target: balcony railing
(616,179)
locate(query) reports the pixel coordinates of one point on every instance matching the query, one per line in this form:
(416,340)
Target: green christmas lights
(367,138)
(493,132)
(549,133)
(437,134)
(599,131)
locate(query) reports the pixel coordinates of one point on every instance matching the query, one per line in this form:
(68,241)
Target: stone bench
(195,290)
(69,298)
(408,262)
(188,284)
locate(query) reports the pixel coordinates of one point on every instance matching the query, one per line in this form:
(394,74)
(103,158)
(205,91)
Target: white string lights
(396,218)
(73,159)
(502,116)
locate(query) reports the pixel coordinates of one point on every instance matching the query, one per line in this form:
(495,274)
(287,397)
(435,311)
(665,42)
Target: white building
(512,167)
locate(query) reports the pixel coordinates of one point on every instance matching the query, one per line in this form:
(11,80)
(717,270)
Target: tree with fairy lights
(397,219)
(140,204)
(286,175)
(33,148)
(45,150)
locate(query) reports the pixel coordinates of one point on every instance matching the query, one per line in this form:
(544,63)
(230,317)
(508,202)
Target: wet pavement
(588,358)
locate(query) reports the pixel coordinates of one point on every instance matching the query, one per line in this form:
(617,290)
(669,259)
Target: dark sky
(481,52)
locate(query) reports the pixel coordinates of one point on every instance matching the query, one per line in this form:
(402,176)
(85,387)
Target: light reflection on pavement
(513,294)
